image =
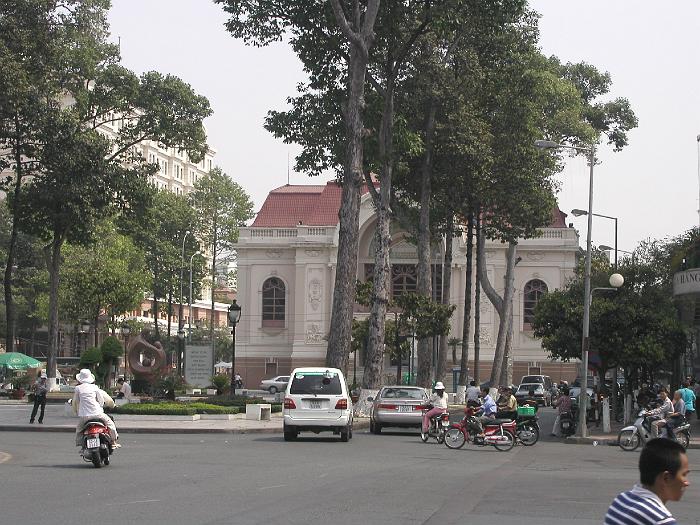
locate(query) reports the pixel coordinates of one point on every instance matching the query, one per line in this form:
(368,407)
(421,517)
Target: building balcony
(296,236)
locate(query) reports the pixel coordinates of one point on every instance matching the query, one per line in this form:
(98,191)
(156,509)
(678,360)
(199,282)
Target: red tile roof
(318,205)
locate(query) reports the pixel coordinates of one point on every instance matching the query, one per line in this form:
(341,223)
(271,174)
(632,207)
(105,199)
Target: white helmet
(439,386)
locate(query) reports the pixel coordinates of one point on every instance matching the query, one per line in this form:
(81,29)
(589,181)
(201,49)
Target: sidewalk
(15,417)
(596,435)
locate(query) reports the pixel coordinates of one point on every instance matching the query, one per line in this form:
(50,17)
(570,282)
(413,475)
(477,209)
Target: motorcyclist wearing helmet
(438,400)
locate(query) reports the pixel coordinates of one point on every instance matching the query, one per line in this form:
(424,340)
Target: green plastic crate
(526,411)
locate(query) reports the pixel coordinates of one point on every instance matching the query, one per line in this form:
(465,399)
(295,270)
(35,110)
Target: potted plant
(19,385)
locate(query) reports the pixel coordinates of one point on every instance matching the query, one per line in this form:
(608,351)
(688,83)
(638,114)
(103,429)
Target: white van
(317,400)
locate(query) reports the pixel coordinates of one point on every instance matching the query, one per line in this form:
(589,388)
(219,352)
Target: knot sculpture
(154,358)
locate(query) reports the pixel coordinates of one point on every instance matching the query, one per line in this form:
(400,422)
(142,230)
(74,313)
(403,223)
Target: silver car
(274,385)
(397,406)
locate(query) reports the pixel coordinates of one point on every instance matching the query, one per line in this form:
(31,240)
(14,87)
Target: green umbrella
(18,361)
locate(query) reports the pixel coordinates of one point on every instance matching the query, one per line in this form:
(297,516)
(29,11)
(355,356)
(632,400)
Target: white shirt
(439,402)
(473,393)
(126,390)
(90,400)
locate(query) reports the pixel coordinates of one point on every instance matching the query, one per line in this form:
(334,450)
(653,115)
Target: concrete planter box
(146,417)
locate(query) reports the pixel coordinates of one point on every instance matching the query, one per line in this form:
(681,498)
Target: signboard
(198,365)
(687,282)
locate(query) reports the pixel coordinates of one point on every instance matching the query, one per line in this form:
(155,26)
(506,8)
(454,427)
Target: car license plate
(314,404)
(93,443)
(405,408)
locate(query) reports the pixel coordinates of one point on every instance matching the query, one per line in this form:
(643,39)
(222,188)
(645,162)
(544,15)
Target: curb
(151,430)
(611,441)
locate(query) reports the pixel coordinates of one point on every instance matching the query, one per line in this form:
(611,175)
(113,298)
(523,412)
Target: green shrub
(238,401)
(173,409)
(220,382)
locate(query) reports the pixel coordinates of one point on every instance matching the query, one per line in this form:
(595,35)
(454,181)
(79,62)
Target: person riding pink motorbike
(439,402)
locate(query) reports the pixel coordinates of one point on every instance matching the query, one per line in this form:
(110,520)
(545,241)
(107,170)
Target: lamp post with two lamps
(125,330)
(578,213)
(590,151)
(180,324)
(234,316)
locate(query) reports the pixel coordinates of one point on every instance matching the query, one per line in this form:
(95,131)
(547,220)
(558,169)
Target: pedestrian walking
(40,388)
(663,476)
(688,398)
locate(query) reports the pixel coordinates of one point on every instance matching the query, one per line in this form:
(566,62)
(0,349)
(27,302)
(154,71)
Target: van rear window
(316,383)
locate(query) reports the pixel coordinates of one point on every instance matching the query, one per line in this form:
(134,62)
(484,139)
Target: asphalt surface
(393,478)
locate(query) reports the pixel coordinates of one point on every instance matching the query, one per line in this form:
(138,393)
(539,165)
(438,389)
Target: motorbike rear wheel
(454,438)
(628,440)
(683,438)
(528,435)
(96,459)
(505,447)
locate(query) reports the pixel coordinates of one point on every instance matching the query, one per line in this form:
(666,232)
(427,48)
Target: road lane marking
(272,487)
(5,457)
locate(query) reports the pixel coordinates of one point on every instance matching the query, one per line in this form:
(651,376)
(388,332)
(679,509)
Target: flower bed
(174,409)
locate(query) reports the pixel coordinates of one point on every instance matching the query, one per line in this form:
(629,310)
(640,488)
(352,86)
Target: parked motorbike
(499,434)
(96,443)
(640,432)
(527,430)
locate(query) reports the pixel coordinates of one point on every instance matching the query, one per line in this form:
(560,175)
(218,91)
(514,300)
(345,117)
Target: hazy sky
(649,48)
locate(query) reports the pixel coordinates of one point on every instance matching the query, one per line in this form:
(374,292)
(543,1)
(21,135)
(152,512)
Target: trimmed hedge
(173,409)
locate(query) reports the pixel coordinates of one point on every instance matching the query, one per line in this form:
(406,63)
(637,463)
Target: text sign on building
(198,365)
(687,282)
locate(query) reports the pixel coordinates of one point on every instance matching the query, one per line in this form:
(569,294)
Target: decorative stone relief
(485,338)
(314,336)
(315,293)
(535,256)
(312,252)
(490,254)
(273,254)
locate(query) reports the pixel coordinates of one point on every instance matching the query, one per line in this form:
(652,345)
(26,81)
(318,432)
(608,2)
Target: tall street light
(126,330)
(180,324)
(610,248)
(578,213)
(234,315)
(181,350)
(189,320)
(548,144)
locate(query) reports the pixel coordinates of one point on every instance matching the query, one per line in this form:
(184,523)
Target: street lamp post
(181,350)
(85,330)
(578,213)
(189,320)
(234,315)
(180,324)
(548,144)
(126,330)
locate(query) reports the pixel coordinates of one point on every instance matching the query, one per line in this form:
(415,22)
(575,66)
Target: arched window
(532,293)
(273,302)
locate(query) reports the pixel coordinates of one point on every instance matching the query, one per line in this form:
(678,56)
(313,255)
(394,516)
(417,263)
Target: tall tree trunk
(212,323)
(424,285)
(446,285)
(467,318)
(507,365)
(10,313)
(360,35)
(374,365)
(54,266)
(503,305)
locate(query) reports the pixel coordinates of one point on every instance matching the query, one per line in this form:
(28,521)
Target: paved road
(247,479)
